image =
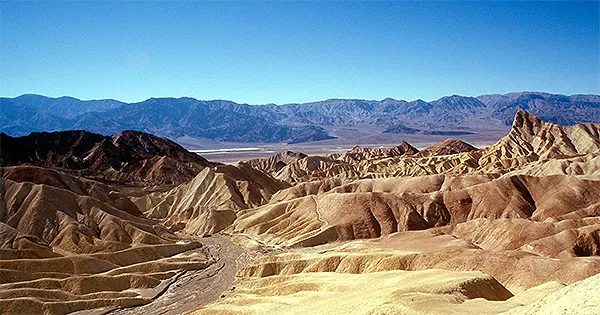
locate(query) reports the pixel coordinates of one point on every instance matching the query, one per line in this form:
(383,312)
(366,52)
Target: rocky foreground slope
(69,244)
(451,229)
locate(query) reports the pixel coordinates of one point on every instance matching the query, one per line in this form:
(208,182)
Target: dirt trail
(319,213)
(196,288)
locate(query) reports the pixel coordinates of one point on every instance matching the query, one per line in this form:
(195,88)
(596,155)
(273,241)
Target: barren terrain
(453,227)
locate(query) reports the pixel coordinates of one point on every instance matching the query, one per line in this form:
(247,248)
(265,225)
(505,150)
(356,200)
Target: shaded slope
(446,147)
(129,156)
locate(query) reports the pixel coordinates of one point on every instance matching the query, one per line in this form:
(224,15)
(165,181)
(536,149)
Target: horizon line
(292,103)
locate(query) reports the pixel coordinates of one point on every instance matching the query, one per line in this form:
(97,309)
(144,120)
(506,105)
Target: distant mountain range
(292,123)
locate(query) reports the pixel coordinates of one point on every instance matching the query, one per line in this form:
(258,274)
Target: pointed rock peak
(446,147)
(455,144)
(292,154)
(451,141)
(408,148)
(127,133)
(129,137)
(525,119)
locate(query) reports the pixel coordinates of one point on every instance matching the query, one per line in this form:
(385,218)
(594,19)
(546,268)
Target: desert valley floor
(135,224)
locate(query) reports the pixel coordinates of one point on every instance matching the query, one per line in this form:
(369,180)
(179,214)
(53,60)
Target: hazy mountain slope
(555,108)
(18,119)
(66,107)
(229,121)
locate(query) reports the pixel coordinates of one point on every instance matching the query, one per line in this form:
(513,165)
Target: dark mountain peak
(33,96)
(161,99)
(67,98)
(60,148)
(408,148)
(452,97)
(418,101)
(419,106)
(458,102)
(141,145)
(342,100)
(130,156)
(446,147)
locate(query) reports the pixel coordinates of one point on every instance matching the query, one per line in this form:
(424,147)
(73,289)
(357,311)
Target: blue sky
(284,52)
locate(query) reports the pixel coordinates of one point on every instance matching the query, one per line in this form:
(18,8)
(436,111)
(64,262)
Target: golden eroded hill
(209,202)
(373,207)
(417,272)
(70,244)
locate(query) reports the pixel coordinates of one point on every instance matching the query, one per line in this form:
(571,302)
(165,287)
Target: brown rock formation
(130,156)
(276,162)
(209,202)
(446,147)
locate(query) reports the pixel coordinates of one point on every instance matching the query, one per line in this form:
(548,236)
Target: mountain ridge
(229,121)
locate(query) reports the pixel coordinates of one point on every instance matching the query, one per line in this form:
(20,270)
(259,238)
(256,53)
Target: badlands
(135,224)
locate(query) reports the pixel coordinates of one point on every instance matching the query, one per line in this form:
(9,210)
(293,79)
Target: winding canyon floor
(508,228)
(198,287)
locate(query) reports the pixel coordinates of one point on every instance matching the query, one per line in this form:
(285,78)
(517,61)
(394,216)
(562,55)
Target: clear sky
(284,52)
